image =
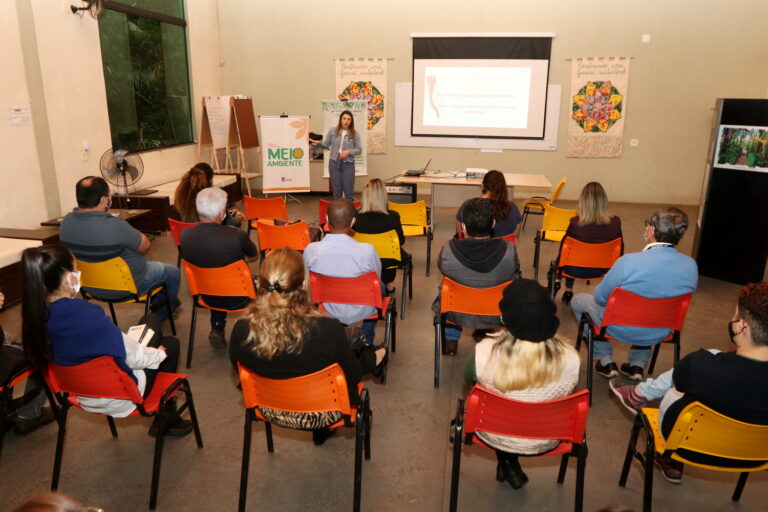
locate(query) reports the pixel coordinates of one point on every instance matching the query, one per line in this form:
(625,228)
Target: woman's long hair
(495,186)
(593,205)
(42,270)
(351,129)
(281,313)
(374,197)
(191,183)
(52,502)
(516,364)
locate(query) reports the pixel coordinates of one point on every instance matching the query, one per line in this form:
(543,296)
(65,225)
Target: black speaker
(402,193)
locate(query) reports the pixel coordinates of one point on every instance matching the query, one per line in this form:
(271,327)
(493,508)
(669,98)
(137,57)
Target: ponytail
(496,186)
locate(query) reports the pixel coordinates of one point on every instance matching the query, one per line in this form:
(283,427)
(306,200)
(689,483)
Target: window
(144,54)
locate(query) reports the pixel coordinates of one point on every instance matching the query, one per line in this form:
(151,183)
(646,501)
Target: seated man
(94,235)
(731,383)
(339,255)
(211,244)
(477,261)
(659,271)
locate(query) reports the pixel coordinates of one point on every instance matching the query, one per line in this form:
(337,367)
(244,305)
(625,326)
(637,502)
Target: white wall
(282,54)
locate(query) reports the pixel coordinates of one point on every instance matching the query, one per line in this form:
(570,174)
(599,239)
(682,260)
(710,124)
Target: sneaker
(629,396)
(671,469)
(633,372)
(179,428)
(608,371)
(23,426)
(216,337)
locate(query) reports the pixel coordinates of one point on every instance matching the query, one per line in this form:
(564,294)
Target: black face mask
(731,333)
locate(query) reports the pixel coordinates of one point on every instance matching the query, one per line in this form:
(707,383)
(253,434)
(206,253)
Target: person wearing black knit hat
(525,361)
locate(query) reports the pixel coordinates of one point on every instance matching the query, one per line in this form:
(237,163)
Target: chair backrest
(555,223)
(112,274)
(98,378)
(177,227)
(16,378)
(509,238)
(557,191)
(564,419)
(362,290)
(273,208)
(627,308)
(412,214)
(234,280)
(387,244)
(325,390)
(700,429)
(458,298)
(294,236)
(322,210)
(581,254)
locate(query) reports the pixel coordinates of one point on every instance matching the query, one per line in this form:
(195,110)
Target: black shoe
(217,338)
(379,370)
(633,372)
(608,371)
(320,435)
(512,473)
(480,334)
(179,428)
(23,426)
(567,296)
(451,346)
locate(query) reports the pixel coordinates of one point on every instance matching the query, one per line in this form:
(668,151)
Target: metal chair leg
(429,249)
(630,451)
(112,311)
(580,470)
(168,308)
(740,486)
(458,435)
(158,459)
(648,484)
(268,433)
(249,417)
(359,429)
(438,351)
(653,358)
(112,427)
(192,332)
(563,468)
(590,364)
(59,448)
(402,294)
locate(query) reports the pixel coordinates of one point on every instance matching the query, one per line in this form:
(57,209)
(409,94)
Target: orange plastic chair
(6,397)
(537,204)
(727,445)
(564,419)
(322,391)
(553,228)
(294,236)
(575,253)
(264,209)
(102,378)
(364,290)
(629,309)
(457,298)
(176,228)
(322,212)
(234,280)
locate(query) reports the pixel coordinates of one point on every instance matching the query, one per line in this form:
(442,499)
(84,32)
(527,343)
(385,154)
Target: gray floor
(410,467)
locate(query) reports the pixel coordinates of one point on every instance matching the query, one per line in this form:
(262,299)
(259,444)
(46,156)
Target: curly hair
(191,183)
(753,309)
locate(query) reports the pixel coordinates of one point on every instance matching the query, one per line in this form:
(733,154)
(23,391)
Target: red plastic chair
(457,298)
(6,397)
(575,253)
(102,378)
(176,228)
(322,391)
(256,209)
(629,309)
(364,290)
(234,280)
(322,212)
(564,419)
(294,236)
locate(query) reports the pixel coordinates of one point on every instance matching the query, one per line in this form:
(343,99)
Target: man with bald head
(339,255)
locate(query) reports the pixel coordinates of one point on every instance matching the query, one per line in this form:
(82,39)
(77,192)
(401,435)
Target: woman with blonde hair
(593,225)
(284,336)
(374,218)
(526,361)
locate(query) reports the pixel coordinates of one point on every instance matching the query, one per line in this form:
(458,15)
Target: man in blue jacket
(659,271)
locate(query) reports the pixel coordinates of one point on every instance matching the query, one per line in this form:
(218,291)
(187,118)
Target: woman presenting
(343,143)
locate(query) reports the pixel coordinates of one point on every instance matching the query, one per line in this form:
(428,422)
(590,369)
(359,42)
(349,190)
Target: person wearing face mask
(343,143)
(658,271)
(58,328)
(731,383)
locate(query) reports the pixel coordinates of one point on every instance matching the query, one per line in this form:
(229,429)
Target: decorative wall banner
(743,148)
(285,161)
(366,79)
(598,107)
(332,109)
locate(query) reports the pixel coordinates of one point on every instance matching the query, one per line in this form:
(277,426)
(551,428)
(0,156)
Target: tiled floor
(410,466)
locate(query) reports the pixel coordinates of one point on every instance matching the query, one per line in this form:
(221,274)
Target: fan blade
(133,173)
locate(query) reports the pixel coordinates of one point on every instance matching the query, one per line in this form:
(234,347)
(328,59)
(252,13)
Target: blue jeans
(452,332)
(342,176)
(585,303)
(161,273)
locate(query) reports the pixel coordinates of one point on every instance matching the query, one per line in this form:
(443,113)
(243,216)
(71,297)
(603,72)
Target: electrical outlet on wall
(645,38)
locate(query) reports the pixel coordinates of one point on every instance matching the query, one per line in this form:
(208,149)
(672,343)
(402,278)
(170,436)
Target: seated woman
(527,361)
(284,336)
(505,212)
(374,218)
(58,328)
(593,225)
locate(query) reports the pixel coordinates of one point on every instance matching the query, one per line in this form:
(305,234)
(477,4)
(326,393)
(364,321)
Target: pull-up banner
(285,161)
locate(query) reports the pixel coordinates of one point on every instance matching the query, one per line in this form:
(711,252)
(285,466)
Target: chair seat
(561,448)
(163,381)
(203,304)
(254,222)
(608,337)
(411,230)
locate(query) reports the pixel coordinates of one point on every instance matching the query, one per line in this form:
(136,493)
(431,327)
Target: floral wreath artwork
(367,92)
(597,106)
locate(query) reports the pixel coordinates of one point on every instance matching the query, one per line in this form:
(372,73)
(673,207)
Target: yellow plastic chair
(537,204)
(387,245)
(700,437)
(553,227)
(415,220)
(115,275)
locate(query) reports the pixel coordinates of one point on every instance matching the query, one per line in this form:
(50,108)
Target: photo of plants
(742,147)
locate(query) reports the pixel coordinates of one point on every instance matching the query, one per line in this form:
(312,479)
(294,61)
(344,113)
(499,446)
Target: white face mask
(74,282)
